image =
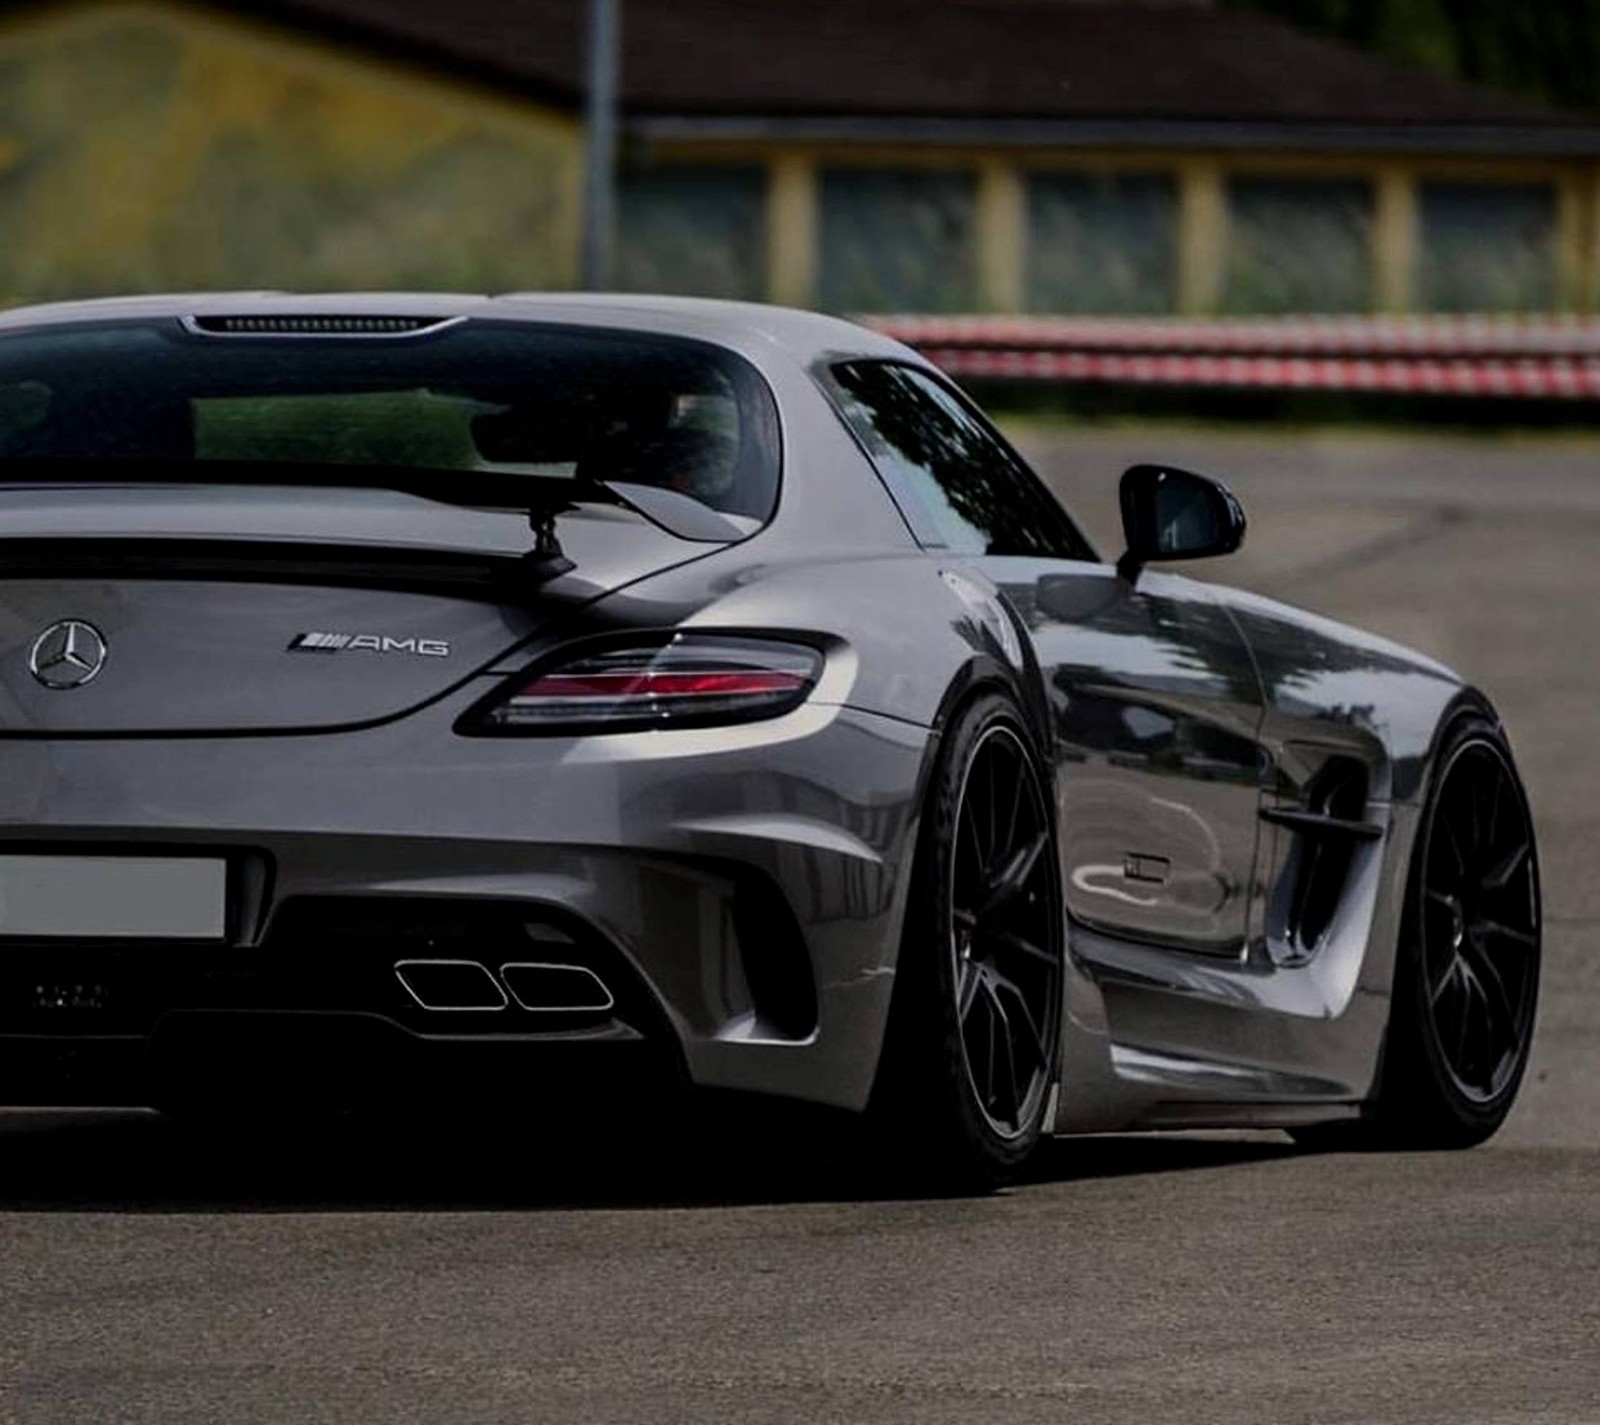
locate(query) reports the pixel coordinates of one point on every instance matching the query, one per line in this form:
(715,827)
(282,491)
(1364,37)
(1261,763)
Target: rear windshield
(477,395)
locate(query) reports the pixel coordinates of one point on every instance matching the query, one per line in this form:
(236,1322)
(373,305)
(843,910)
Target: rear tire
(970,1054)
(1467,976)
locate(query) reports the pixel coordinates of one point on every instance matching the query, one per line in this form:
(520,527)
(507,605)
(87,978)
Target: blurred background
(874,156)
(1060,164)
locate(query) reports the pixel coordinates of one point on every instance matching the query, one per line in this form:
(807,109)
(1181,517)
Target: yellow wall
(1201,239)
(152,147)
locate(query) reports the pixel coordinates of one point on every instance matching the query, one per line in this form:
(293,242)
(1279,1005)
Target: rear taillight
(691,680)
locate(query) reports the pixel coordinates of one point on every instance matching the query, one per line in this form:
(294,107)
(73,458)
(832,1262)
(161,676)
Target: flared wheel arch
(894,1104)
(1389,1117)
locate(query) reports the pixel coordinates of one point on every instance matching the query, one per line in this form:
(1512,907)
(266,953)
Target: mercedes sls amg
(408,690)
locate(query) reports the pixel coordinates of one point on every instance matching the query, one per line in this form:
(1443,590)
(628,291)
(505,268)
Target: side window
(957,485)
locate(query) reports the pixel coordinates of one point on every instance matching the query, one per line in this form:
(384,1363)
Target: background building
(1050,156)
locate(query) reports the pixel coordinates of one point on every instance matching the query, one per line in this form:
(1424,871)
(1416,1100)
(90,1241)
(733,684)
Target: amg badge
(368,643)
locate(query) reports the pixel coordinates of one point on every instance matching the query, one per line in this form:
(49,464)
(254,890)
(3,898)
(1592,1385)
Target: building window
(897,241)
(1299,245)
(1100,242)
(1487,247)
(696,230)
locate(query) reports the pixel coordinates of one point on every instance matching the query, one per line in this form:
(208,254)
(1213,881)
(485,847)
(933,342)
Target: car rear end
(344,755)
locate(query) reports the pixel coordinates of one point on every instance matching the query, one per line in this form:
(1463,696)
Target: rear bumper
(739,892)
(327,1062)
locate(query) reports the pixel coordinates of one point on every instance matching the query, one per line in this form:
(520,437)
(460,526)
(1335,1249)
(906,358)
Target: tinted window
(695,230)
(1299,245)
(1101,242)
(958,486)
(497,396)
(895,241)
(1487,247)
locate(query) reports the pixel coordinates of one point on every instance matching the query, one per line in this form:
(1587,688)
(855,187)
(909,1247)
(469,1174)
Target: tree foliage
(1548,49)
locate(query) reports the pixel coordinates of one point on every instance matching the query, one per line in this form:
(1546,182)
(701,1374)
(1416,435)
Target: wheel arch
(981,699)
(1415,768)
(978,676)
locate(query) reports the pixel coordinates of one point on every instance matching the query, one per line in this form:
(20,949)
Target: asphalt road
(156,1272)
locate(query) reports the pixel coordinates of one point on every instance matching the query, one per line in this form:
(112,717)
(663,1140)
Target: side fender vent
(1319,865)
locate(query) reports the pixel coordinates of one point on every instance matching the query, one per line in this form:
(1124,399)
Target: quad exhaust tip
(451,985)
(556,989)
(536,986)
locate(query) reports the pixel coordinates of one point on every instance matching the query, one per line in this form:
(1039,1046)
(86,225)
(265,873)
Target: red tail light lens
(692,680)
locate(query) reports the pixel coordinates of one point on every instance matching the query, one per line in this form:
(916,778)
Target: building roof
(721,66)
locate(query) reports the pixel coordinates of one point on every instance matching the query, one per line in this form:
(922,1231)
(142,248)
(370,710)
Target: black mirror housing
(1170,514)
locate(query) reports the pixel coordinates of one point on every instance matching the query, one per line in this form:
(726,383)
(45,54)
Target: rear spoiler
(540,497)
(464,574)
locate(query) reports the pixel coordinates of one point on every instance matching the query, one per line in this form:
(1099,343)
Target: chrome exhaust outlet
(450,985)
(556,989)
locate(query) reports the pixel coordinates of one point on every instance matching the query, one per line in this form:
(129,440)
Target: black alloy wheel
(1479,928)
(1006,964)
(1467,974)
(971,1049)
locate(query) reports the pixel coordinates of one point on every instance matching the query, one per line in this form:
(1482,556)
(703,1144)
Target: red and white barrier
(1537,358)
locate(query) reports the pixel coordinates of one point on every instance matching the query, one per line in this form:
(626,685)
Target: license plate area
(45,896)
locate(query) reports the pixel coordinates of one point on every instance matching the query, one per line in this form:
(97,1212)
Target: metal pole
(600,171)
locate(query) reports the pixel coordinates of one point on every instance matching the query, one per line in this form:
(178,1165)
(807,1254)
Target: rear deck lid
(191,611)
(247,525)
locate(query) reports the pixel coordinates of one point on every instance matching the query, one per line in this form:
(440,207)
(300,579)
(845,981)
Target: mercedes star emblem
(68,654)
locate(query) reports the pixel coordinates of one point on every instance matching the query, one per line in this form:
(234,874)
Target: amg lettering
(368,643)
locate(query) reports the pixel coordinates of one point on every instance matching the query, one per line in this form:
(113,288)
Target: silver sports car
(401,691)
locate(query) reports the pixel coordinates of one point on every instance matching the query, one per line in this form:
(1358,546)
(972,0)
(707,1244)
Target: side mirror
(1173,514)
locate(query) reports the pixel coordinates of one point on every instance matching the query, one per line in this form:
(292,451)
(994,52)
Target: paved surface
(150,1272)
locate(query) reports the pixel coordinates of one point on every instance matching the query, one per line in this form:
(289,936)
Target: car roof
(753,328)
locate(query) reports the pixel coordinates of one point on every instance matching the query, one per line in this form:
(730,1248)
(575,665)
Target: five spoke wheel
(1005,936)
(1480,922)
(969,1057)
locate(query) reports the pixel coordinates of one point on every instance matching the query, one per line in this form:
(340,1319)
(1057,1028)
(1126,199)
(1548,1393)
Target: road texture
(156,1272)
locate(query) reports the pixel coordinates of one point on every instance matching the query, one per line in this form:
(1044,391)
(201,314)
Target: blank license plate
(114,897)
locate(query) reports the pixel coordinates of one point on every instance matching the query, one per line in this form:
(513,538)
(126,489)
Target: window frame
(918,519)
(670,169)
(1037,178)
(1243,187)
(1427,293)
(961,177)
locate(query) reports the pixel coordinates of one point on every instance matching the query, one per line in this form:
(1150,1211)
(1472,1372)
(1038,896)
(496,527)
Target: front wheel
(970,1055)
(1467,977)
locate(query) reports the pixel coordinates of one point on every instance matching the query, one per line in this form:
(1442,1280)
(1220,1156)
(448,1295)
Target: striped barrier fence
(1529,358)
